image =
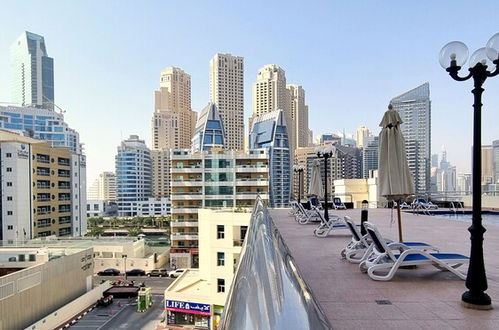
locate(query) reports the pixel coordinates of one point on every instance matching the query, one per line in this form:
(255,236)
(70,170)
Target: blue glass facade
(133,175)
(209,131)
(40,124)
(269,131)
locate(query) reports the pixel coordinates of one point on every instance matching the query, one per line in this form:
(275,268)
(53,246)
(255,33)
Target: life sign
(187,307)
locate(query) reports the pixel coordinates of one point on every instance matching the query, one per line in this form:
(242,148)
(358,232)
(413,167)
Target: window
(9,184)
(220,259)
(21,257)
(9,212)
(9,169)
(10,227)
(220,285)
(220,232)
(9,198)
(8,155)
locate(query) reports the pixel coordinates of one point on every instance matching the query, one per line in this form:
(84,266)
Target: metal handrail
(267,269)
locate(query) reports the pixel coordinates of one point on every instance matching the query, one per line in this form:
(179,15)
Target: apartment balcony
(64,185)
(43,172)
(251,195)
(63,162)
(176,224)
(252,182)
(238,242)
(187,195)
(187,183)
(184,236)
(43,159)
(187,169)
(186,209)
(251,169)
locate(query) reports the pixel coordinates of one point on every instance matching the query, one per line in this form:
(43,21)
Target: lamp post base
(479,300)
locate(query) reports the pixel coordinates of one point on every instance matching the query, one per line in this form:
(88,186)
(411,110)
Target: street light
(325,152)
(484,63)
(299,169)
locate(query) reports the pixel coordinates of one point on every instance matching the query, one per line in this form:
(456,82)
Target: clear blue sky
(351,57)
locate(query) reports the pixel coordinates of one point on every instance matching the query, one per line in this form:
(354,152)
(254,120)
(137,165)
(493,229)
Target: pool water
(489,218)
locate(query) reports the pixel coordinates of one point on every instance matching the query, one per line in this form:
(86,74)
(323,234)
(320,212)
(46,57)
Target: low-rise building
(198,296)
(38,279)
(211,179)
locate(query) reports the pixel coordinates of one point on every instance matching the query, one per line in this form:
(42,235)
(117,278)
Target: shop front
(188,314)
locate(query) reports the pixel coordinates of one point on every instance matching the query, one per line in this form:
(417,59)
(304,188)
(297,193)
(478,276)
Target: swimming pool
(488,217)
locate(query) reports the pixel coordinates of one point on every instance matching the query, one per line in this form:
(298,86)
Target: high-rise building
(414,108)
(299,115)
(211,179)
(103,188)
(464,183)
(227,92)
(487,165)
(32,71)
(133,175)
(270,94)
(40,124)
(370,155)
(173,120)
(362,133)
(160,164)
(209,132)
(43,189)
(495,160)
(269,131)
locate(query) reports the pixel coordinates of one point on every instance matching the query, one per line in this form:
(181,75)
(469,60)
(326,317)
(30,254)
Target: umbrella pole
(399,222)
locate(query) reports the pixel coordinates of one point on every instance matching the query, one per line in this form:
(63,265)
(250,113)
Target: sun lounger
(304,216)
(383,259)
(338,204)
(361,247)
(335,222)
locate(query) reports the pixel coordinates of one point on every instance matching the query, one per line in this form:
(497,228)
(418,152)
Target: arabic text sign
(187,307)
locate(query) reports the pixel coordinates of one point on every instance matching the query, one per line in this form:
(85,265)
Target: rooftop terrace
(422,298)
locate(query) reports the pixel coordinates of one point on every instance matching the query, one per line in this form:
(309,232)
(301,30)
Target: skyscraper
(173,119)
(487,165)
(414,108)
(370,155)
(299,115)
(270,93)
(209,131)
(495,159)
(103,188)
(133,175)
(362,133)
(32,71)
(227,92)
(269,131)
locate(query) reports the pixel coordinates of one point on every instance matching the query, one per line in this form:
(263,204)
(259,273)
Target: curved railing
(268,291)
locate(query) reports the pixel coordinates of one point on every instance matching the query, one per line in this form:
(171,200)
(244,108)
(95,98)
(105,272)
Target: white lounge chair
(335,222)
(304,216)
(294,207)
(361,247)
(338,204)
(384,260)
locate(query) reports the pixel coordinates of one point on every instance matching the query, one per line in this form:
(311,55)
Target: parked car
(421,202)
(136,272)
(109,272)
(158,272)
(176,273)
(105,301)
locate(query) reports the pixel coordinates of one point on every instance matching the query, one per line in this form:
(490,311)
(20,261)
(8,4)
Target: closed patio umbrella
(315,187)
(395,178)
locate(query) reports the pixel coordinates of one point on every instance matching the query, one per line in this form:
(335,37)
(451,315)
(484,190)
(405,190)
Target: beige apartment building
(227,92)
(487,165)
(221,236)
(103,188)
(41,190)
(161,177)
(299,115)
(211,179)
(362,133)
(173,120)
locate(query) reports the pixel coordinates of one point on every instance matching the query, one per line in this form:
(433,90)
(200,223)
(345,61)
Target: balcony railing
(238,242)
(293,304)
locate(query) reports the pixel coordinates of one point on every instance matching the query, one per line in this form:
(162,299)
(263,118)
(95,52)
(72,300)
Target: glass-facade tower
(209,131)
(133,175)
(269,131)
(414,108)
(32,72)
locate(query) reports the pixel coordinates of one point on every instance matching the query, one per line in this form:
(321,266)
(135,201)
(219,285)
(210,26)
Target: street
(157,284)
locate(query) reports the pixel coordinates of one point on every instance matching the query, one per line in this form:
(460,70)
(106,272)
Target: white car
(176,273)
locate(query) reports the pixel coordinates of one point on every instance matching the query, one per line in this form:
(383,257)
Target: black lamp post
(484,63)
(299,169)
(325,152)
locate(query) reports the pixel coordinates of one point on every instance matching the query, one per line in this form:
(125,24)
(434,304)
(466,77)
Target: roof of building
(8,136)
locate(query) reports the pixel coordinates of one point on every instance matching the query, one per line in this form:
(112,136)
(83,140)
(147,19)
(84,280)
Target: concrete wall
(64,314)
(488,202)
(30,294)
(146,264)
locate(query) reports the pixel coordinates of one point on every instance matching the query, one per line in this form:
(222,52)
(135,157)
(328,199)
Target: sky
(351,57)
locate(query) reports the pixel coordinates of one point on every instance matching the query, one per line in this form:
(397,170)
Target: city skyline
(104,88)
